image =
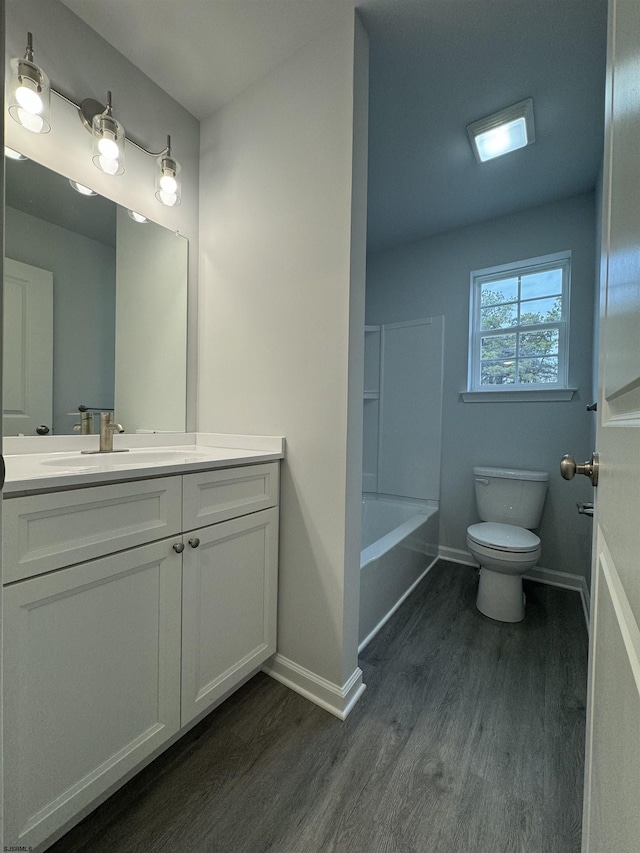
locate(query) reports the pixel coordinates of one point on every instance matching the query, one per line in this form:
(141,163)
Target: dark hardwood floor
(468,739)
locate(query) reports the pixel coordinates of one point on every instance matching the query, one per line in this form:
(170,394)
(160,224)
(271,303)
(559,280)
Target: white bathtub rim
(391,539)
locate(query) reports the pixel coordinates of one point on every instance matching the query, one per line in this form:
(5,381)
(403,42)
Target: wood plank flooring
(468,739)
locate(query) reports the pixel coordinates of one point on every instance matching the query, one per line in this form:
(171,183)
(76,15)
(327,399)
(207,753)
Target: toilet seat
(506,538)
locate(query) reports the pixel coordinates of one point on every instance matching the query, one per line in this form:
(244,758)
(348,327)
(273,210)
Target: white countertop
(37,463)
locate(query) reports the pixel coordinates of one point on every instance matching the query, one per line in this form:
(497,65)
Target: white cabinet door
(91,682)
(229,603)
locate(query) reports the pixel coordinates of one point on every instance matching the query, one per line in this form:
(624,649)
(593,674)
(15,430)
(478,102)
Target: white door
(612,782)
(27,348)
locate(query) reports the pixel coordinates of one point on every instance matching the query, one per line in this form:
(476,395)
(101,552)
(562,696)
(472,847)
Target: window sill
(539,395)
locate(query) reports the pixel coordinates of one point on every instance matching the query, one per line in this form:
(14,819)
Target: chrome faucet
(107,429)
(85,425)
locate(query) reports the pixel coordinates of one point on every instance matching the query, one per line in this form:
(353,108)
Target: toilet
(510,504)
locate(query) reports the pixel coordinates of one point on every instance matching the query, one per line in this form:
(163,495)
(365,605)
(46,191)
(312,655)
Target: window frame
(558,260)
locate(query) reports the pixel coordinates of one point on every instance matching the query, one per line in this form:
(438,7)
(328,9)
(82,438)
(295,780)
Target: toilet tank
(509,496)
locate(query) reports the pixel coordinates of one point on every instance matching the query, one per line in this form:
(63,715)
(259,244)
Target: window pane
(538,370)
(547,283)
(540,311)
(497,373)
(494,292)
(539,343)
(498,346)
(498,317)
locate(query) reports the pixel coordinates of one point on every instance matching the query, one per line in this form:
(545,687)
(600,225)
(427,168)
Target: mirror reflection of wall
(50,226)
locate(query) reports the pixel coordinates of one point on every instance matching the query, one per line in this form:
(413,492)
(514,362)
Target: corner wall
(432,277)
(283,201)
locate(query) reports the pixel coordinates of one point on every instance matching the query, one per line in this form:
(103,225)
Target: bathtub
(399,546)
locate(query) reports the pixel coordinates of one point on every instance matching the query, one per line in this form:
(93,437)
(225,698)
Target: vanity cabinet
(106,660)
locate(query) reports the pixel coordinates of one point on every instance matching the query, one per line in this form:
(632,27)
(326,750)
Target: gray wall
(431,277)
(84,292)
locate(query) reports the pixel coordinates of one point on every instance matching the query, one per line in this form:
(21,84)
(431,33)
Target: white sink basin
(128,459)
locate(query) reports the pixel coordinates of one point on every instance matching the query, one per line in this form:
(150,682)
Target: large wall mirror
(95,310)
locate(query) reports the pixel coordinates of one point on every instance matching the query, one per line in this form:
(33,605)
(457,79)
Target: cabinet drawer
(228,493)
(46,532)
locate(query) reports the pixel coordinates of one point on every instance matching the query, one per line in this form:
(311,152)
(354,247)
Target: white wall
(282,192)
(432,277)
(83,309)
(82,65)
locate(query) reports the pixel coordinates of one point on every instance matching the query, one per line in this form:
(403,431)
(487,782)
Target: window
(519,325)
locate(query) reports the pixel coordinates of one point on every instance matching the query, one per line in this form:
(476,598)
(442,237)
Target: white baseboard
(456,555)
(551,577)
(337,700)
(400,601)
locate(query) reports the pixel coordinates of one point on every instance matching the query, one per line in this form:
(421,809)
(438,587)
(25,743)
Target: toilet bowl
(505,553)
(509,503)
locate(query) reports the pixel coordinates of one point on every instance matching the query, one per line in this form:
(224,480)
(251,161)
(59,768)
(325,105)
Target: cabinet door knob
(194,542)
(178,547)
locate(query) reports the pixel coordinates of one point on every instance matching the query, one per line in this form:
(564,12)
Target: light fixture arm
(28,54)
(89,108)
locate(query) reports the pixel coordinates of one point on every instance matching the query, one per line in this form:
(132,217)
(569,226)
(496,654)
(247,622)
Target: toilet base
(500,596)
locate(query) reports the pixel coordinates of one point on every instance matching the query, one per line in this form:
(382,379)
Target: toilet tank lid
(511,474)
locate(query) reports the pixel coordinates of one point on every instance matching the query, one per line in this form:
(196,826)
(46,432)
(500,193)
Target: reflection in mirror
(95,310)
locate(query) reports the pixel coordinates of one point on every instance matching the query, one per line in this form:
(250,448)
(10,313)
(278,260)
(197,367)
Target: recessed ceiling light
(80,188)
(502,132)
(13,154)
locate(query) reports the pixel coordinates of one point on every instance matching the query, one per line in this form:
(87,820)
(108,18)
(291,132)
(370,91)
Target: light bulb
(169,199)
(107,146)
(137,217)
(108,166)
(28,98)
(168,183)
(30,121)
(80,188)
(13,154)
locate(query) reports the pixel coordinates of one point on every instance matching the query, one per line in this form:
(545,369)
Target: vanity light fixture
(502,132)
(13,154)
(108,135)
(167,181)
(30,95)
(80,188)
(137,217)
(29,105)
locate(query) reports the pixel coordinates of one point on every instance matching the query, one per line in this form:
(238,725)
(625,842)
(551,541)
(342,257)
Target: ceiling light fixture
(80,188)
(30,96)
(502,132)
(167,181)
